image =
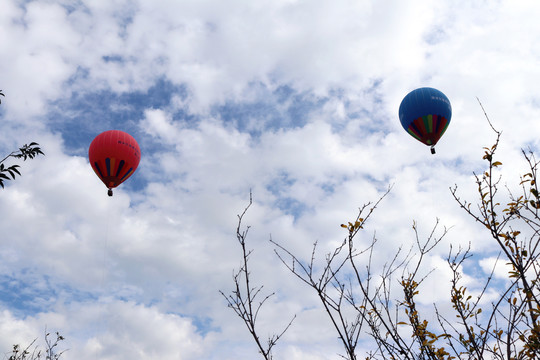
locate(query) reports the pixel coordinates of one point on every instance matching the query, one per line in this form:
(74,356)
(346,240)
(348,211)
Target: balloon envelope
(114,156)
(425,114)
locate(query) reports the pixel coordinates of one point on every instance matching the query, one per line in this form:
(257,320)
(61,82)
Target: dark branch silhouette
(27,151)
(33,352)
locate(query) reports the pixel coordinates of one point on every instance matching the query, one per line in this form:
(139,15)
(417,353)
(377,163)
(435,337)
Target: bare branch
(244,297)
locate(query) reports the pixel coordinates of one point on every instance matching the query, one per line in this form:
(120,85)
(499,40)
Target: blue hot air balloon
(425,114)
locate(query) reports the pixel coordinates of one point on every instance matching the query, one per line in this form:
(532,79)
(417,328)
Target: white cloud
(157,123)
(124,268)
(111,330)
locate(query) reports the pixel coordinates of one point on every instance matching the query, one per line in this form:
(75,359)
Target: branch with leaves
(27,151)
(515,228)
(367,300)
(32,351)
(495,320)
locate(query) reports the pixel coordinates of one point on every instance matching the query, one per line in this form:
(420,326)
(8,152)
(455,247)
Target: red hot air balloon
(114,156)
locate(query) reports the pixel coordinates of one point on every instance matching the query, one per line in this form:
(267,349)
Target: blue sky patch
(30,293)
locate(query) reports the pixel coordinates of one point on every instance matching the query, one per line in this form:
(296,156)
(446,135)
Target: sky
(295,101)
